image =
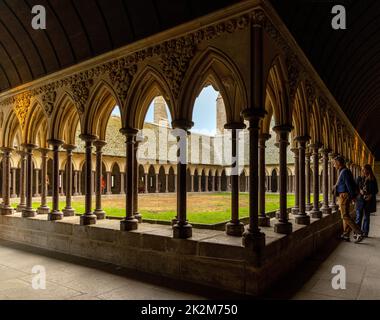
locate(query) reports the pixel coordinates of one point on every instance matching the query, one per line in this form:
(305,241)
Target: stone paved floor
(313,280)
(76,278)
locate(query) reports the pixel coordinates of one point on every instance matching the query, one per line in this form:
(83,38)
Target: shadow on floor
(289,285)
(178,285)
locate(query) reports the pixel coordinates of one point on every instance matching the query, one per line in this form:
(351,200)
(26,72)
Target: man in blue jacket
(345,190)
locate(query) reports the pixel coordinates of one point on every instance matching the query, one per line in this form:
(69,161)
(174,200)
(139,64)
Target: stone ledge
(209,258)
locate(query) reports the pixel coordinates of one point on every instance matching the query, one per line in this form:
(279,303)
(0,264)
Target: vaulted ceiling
(348,61)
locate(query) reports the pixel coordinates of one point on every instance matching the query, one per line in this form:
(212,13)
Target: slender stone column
(22,204)
(43,209)
(136,213)
(181,228)
(88,217)
(157,183)
(146,182)
(14,193)
(68,211)
(55,214)
(6,208)
(235,227)
(61,189)
(166,183)
(93,184)
(130,222)
(28,212)
(283,226)
(175,182)
(316,213)
(192,183)
(37,182)
(100,214)
(122,184)
(295,186)
(80,183)
(206,183)
(253,238)
(302,218)
(309,205)
(75,186)
(109,183)
(325,207)
(264,220)
(199,183)
(333,205)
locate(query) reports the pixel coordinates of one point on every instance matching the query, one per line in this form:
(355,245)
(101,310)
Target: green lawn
(202,208)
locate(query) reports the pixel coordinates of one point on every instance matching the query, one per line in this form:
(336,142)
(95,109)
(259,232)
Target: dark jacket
(360,181)
(372,189)
(346,183)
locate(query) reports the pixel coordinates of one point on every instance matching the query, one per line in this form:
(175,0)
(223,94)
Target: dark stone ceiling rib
(348,61)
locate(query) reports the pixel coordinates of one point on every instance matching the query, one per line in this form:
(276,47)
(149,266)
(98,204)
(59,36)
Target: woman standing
(368,191)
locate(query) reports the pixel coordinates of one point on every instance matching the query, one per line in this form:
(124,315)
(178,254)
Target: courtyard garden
(205,208)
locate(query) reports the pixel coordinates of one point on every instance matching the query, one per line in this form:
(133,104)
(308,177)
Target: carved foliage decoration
(176,55)
(121,75)
(175,59)
(21,107)
(48,100)
(310,92)
(293,70)
(81,93)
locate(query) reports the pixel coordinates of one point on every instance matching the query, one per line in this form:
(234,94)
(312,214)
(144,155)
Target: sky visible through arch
(204,115)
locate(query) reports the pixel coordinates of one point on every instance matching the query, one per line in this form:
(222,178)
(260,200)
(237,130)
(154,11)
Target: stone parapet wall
(210,258)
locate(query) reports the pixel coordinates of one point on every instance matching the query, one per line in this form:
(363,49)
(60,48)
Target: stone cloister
(247,54)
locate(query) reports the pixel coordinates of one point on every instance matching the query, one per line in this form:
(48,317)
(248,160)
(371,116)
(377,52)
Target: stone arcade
(248,55)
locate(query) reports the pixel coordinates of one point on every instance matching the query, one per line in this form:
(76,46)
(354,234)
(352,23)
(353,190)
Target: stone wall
(209,258)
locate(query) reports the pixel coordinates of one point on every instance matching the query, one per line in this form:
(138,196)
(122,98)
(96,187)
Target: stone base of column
(316,214)
(253,241)
(309,207)
(100,214)
(182,231)
(326,210)
(174,221)
(334,208)
(264,221)
(87,219)
(6,211)
(129,224)
(28,213)
(302,219)
(283,228)
(13,196)
(36,195)
(55,216)
(76,194)
(68,212)
(108,193)
(21,207)
(295,211)
(138,217)
(43,210)
(235,229)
